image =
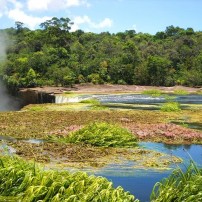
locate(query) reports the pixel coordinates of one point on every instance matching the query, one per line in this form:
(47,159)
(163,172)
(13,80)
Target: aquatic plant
(91,101)
(179,186)
(170,107)
(23,181)
(152,92)
(42,124)
(103,134)
(95,104)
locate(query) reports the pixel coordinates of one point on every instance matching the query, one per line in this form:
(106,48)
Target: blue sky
(147,16)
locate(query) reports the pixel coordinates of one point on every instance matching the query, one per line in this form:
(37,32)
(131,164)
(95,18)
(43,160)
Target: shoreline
(109,88)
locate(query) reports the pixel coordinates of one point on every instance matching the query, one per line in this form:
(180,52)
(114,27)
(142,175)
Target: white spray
(6,101)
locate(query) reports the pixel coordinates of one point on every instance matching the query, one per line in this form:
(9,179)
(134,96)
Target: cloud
(3,7)
(38,4)
(79,20)
(34,5)
(30,21)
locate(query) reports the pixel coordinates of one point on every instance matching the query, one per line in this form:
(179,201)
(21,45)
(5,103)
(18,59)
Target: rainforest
(53,55)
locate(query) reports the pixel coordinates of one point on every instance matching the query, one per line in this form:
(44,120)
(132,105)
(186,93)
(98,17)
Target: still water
(140,182)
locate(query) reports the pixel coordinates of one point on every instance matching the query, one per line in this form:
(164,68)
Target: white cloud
(38,4)
(79,20)
(30,21)
(105,23)
(34,5)
(3,7)
(9,4)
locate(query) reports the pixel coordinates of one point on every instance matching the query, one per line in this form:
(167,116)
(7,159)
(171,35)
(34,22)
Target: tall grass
(103,134)
(180,186)
(22,181)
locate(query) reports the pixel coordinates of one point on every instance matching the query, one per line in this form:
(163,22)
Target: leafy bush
(170,107)
(22,181)
(179,186)
(103,135)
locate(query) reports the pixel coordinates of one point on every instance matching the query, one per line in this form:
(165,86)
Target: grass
(91,101)
(23,181)
(102,134)
(180,92)
(152,92)
(170,107)
(94,104)
(179,186)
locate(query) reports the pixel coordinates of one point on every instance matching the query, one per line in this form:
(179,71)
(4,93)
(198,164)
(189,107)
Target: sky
(147,16)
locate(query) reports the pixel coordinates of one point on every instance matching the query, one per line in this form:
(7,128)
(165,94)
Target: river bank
(109,88)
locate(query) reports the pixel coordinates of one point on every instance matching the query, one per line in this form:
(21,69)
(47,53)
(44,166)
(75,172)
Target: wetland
(125,137)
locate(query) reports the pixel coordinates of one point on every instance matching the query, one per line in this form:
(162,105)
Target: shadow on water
(192,125)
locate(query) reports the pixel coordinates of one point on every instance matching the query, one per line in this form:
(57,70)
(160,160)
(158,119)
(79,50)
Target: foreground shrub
(21,181)
(103,135)
(179,186)
(170,107)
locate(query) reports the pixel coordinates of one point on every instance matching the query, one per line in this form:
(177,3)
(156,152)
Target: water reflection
(141,182)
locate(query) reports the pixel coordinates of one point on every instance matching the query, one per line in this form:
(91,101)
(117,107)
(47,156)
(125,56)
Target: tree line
(54,56)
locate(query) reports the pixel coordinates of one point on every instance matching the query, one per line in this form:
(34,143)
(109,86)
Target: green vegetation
(95,104)
(55,56)
(42,124)
(103,135)
(91,101)
(152,92)
(179,186)
(181,92)
(22,181)
(170,107)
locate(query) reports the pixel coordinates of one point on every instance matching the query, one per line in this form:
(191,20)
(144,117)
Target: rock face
(35,96)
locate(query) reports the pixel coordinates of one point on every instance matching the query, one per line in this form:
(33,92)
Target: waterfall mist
(7,102)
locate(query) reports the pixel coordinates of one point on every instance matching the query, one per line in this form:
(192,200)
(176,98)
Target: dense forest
(53,55)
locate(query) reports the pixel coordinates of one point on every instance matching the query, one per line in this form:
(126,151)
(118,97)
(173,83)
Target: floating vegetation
(102,134)
(153,92)
(91,101)
(167,133)
(86,156)
(42,124)
(22,181)
(180,186)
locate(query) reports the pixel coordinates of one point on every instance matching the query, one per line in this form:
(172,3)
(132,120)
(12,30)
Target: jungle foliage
(53,55)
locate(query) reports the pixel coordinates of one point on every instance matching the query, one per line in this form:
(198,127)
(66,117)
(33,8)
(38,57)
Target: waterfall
(65,99)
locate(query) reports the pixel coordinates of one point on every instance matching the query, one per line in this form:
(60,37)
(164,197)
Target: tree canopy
(53,55)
